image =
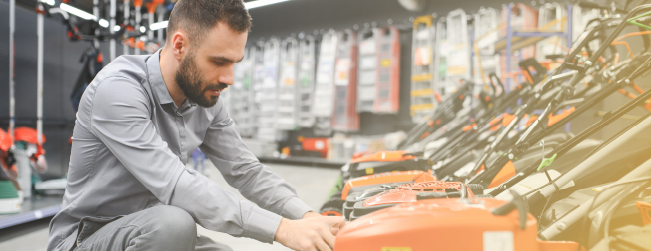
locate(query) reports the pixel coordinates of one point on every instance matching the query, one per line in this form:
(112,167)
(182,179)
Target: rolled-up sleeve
(242,170)
(121,120)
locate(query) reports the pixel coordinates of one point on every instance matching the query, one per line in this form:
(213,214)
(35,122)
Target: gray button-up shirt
(131,144)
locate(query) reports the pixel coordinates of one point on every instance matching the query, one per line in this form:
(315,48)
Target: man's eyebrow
(224,59)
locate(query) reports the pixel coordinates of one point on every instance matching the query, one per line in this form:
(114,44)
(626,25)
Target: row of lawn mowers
(496,169)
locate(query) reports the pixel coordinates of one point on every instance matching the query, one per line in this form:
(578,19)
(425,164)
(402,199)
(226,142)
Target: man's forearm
(219,210)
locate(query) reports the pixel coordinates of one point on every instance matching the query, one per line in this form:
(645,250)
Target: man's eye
(217,63)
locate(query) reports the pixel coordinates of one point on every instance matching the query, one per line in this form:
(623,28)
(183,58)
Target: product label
(423,56)
(385,62)
(498,241)
(341,72)
(319,145)
(367,47)
(289,73)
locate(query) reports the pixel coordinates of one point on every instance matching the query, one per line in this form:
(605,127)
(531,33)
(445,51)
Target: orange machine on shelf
(7,160)
(315,145)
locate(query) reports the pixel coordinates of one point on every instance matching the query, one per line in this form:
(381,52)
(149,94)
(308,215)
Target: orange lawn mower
(369,171)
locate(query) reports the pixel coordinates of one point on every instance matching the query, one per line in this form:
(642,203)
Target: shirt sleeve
(121,119)
(242,170)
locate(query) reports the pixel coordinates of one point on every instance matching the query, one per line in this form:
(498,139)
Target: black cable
(586,220)
(608,218)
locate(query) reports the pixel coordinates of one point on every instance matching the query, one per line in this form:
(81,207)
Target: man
(138,122)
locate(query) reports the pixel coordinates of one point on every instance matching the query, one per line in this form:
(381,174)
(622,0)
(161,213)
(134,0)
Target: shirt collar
(157,82)
(156,79)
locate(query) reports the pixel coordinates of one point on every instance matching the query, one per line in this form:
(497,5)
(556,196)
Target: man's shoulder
(131,68)
(124,74)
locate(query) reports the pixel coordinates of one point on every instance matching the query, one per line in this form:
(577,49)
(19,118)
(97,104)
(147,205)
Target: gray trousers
(155,228)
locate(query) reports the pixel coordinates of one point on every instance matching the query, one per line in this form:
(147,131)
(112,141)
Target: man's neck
(168,70)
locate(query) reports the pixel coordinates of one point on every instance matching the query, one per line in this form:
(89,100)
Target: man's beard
(188,78)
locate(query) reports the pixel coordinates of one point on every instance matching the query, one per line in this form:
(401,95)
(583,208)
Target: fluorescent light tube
(260,3)
(76,12)
(158,26)
(249,5)
(103,23)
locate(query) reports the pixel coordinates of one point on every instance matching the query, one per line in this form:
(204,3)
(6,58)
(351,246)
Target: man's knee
(174,221)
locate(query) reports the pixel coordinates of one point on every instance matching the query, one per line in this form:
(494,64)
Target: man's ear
(180,45)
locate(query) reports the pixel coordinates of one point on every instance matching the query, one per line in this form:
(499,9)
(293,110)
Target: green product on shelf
(305,79)
(246,81)
(443,68)
(9,200)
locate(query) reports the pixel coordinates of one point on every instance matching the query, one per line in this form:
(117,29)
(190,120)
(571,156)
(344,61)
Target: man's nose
(227,77)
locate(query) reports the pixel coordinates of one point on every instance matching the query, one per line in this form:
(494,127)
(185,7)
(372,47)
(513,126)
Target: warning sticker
(498,241)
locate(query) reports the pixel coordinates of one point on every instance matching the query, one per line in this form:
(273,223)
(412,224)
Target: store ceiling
(86,5)
(296,16)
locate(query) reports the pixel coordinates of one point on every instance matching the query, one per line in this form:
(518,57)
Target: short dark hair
(197,17)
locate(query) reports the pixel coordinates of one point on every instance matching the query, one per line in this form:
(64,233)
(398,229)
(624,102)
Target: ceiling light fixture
(158,26)
(248,5)
(260,3)
(49,2)
(103,23)
(76,12)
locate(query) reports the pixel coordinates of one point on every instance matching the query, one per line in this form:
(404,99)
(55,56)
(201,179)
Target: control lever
(564,76)
(517,203)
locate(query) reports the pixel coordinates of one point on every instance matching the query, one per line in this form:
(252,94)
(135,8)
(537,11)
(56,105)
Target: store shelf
(34,208)
(303,161)
(517,39)
(521,39)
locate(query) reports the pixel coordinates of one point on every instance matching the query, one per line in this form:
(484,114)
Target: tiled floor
(312,185)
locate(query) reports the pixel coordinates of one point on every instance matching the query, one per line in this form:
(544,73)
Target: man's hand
(312,233)
(311,214)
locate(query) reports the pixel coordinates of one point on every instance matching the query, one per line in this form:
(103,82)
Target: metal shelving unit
(518,39)
(34,208)
(422,101)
